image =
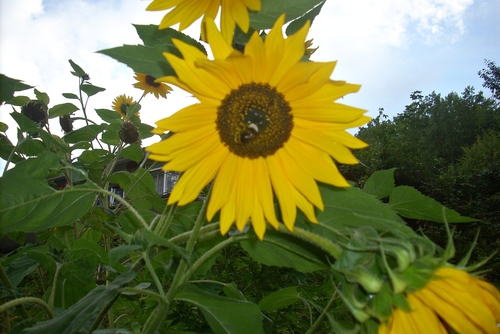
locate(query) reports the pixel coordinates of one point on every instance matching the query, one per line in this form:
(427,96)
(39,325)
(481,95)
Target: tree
(491,77)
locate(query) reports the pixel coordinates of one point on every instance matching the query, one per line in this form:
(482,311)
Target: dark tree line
(448,147)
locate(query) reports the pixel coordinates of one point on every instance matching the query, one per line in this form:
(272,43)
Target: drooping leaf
(39,206)
(279,299)
(224,315)
(108,115)
(21,267)
(381,183)
(78,71)
(8,86)
(91,89)
(62,109)
(70,96)
(410,203)
(74,319)
(42,97)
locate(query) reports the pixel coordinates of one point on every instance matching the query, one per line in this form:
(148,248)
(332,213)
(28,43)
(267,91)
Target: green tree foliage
(491,77)
(448,148)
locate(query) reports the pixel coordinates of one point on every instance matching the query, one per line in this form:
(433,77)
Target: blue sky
(391,47)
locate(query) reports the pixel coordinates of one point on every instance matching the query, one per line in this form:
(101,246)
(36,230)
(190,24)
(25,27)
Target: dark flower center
(150,80)
(254,120)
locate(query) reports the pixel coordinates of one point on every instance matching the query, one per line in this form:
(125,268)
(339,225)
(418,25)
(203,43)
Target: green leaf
(8,86)
(39,206)
(87,133)
(111,135)
(140,189)
(6,149)
(118,253)
(145,130)
(381,183)
(283,250)
(410,203)
(133,152)
(272,9)
(19,100)
(152,36)
(25,124)
(294,26)
(3,127)
(78,71)
(74,319)
(62,109)
(70,96)
(42,97)
(91,89)
(348,208)
(108,115)
(224,315)
(148,58)
(279,299)
(21,267)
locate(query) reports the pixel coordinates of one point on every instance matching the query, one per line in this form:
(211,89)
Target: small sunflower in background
(186,12)
(147,83)
(452,299)
(267,123)
(121,103)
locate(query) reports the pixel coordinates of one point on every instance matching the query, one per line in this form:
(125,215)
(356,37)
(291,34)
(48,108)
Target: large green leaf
(152,36)
(8,86)
(74,319)
(62,109)
(283,250)
(38,206)
(272,9)
(21,267)
(347,208)
(87,133)
(381,183)
(224,315)
(410,203)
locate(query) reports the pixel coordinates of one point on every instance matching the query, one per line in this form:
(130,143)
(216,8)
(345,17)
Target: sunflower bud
(36,111)
(66,123)
(369,282)
(129,133)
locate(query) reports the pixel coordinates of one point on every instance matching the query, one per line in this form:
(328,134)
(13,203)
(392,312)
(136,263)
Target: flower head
(147,83)
(266,123)
(452,299)
(186,12)
(36,111)
(121,103)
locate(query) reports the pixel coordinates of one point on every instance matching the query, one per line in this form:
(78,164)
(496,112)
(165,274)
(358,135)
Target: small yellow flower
(266,123)
(147,83)
(452,299)
(121,103)
(187,11)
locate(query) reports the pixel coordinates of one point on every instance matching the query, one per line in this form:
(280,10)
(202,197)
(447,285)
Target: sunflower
(265,122)
(121,103)
(187,11)
(452,299)
(147,83)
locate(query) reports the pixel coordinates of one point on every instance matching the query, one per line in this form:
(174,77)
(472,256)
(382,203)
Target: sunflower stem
(333,249)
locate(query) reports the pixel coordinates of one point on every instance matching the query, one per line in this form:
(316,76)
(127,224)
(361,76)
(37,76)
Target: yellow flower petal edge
(185,12)
(452,299)
(254,130)
(121,103)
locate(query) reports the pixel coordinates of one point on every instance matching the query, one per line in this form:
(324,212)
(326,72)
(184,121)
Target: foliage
(112,257)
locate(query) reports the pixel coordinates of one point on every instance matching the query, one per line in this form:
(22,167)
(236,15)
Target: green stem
(12,154)
(319,320)
(6,282)
(205,230)
(166,220)
(141,292)
(157,318)
(151,269)
(315,239)
(209,254)
(54,283)
(23,300)
(102,314)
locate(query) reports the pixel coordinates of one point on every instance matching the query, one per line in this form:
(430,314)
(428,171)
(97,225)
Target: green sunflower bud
(369,282)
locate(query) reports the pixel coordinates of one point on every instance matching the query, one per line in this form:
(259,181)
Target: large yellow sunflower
(266,121)
(147,83)
(452,299)
(187,11)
